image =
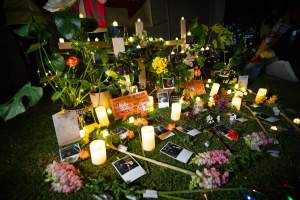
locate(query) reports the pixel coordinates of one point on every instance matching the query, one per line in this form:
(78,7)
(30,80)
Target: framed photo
(243,81)
(221,129)
(177,152)
(128,168)
(85,117)
(163,133)
(163,99)
(70,153)
(168,83)
(188,130)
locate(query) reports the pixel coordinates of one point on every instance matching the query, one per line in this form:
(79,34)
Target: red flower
(233,135)
(72,61)
(216,96)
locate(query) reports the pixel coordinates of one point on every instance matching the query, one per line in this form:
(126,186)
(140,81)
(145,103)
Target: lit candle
(61,40)
(207,85)
(211,102)
(183,29)
(131,39)
(198,99)
(236,102)
(131,120)
(239,94)
(115,23)
(88,39)
(209,80)
(236,86)
(82,133)
(274,128)
(214,89)
(296,121)
(96,39)
(228,91)
(176,111)
(189,33)
(109,111)
(98,152)
(138,46)
(81,15)
(148,138)
(102,116)
(150,103)
(261,95)
(139,27)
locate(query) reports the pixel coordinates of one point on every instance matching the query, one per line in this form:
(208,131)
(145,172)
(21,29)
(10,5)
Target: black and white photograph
(168,83)
(188,130)
(177,152)
(163,99)
(128,168)
(221,129)
(121,132)
(70,152)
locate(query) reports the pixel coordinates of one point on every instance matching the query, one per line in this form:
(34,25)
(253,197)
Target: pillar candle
(139,27)
(236,102)
(176,111)
(102,116)
(61,40)
(98,152)
(148,138)
(214,89)
(183,29)
(261,94)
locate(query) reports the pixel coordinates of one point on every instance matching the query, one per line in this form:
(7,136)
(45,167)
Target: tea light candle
(296,121)
(261,94)
(214,89)
(96,39)
(102,116)
(131,120)
(209,80)
(239,94)
(151,103)
(98,152)
(236,86)
(176,111)
(82,133)
(139,27)
(131,39)
(236,102)
(228,91)
(115,23)
(109,111)
(148,138)
(61,40)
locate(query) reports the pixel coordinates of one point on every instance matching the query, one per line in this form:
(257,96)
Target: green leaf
(47,79)
(23,31)
(57,62)
(15,105)
(34,47)
(56,95)
(68,24)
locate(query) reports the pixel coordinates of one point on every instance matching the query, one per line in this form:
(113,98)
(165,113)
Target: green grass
(28,144)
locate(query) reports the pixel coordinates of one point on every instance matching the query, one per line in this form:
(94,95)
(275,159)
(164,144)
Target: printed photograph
(85,117)
(125,164)
(171,149)
(168,82)
(163,97)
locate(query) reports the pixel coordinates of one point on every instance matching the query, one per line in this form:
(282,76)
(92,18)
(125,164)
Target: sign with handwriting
(129,105)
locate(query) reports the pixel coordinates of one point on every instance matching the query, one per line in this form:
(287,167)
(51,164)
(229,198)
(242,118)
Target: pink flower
(209,158)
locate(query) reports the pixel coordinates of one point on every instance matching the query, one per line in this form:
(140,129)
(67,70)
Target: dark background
(17,68)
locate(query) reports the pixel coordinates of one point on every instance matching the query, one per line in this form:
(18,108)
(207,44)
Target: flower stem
(257,120)
(185,171)
(202,190)
(143,152)
(171,197)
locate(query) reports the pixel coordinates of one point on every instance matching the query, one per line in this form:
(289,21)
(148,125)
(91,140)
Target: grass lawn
(29,144)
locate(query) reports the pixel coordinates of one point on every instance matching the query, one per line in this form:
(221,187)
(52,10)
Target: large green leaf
(34,47)
(68,24)
(57,62)
(23,31)
(15,105)
(56,95)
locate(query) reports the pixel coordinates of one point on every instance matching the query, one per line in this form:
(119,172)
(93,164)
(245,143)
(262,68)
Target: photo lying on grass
(69,151)
(168,83)
(171,150)
(125,164)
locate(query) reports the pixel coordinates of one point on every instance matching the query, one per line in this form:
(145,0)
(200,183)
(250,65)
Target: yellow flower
(272,99)
(160,65)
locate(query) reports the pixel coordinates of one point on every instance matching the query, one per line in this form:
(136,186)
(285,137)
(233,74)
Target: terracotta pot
(101,99)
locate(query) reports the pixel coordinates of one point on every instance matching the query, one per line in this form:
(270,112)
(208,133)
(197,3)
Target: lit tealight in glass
(109,111)
(138,46)
(198,99)
(236,86)
(176,38)
(207,48)
(209,80)
(81,15)
(131,39)
(105,133)
(82,133)
(296,121)
(115,23)
(274,128)
(228,91)
(61,40)
(207,85)
(88,39)
(182,18)
(131,120)
(96,39)
(189,33)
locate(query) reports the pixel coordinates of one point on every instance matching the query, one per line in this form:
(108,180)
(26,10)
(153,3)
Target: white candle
(148,138)
(183,28)
(115,23)
(81,15)
(151,103)
(261,94)
(139,27)
(102,116)
(209,80)
(214,89)
(131,39)
(228,91)
(96,39)
(131,120)
(98,152)
(82,133)
(61,40)
(236,102)
(296,121)
(176,111)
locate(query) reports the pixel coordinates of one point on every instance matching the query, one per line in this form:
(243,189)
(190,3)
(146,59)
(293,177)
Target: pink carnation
(209,178)
(209,158)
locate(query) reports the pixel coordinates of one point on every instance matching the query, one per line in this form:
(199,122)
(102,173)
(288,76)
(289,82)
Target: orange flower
(84,154)
(130,134)
(171,126)
(72,61)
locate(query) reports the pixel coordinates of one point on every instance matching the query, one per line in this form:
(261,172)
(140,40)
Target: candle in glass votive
(148,138)
(102,116)
(236,102)
(115,23)
(209,80)
(131,120)
(96,39)
(61,40)
(139,27)
(261,95)
(176,111)
(98,152)
(109,111)
(82,133)
(214,89)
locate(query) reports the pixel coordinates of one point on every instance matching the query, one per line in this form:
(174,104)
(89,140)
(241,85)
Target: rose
(72,61)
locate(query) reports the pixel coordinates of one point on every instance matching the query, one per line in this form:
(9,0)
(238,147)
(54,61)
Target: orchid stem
(257,120)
